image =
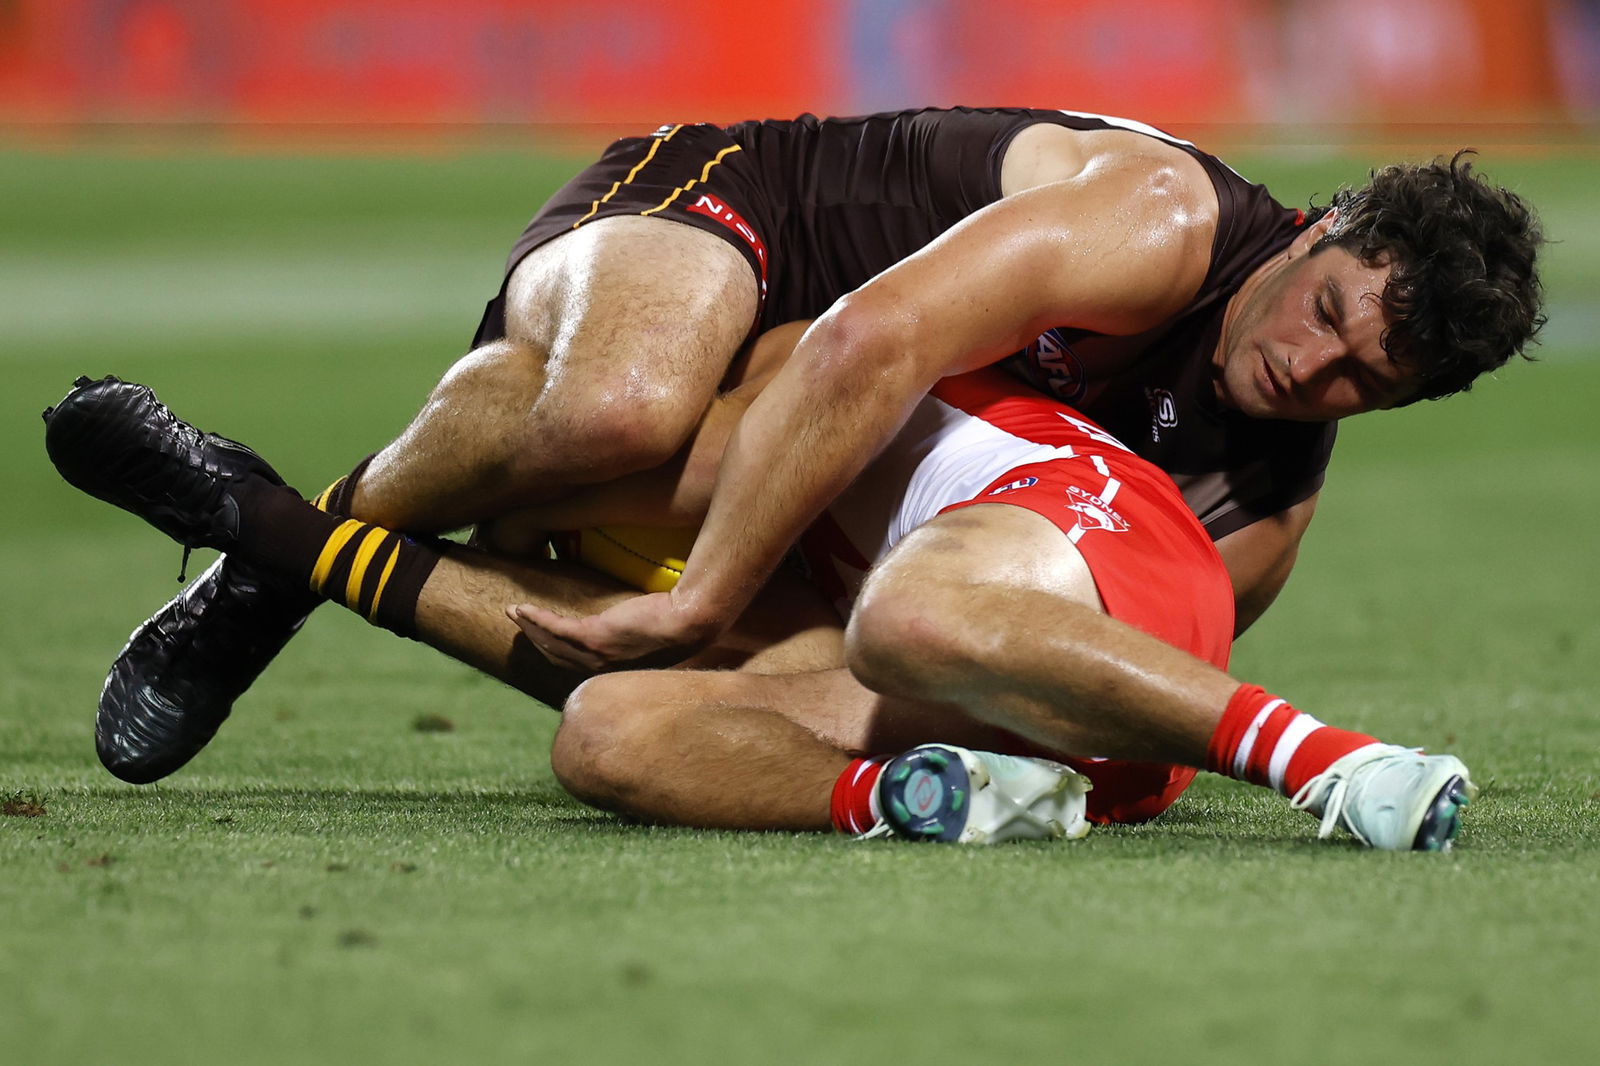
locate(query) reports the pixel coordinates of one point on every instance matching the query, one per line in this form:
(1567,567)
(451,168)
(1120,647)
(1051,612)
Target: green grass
(330,884)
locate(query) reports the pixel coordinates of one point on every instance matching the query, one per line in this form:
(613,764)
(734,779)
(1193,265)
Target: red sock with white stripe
(1263,740)
(855,796)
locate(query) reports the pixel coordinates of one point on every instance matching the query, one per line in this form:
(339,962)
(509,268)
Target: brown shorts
(816,206)
(694,174)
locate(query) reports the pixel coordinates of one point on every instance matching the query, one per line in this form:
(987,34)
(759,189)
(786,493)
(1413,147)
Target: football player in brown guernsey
(1040,643)
(1136,277)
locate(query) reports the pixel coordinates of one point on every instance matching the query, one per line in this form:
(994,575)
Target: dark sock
(292,600)
(377,573)
(336,498)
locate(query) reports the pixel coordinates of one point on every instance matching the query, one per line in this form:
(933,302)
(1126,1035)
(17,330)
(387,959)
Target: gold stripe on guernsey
(330,553)
(383,579)
(358,569)
(634,173)
(704,174)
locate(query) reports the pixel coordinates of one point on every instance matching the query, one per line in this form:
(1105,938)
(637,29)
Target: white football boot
(1390,797)
(942,792)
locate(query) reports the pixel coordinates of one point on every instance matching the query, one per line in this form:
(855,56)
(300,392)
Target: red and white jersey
(986,438)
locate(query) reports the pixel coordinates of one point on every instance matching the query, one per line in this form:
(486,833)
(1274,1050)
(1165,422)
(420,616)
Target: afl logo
(1022,483)
(1094,513)
(1058,368)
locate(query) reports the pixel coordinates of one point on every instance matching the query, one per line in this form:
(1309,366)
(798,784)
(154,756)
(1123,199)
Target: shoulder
(1046,154)
(1143,211)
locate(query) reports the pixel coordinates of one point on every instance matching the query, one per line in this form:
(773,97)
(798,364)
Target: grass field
(329,883)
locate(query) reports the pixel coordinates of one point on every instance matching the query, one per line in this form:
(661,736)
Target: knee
(552,421)
(601,747)
(911,639)
(608,430)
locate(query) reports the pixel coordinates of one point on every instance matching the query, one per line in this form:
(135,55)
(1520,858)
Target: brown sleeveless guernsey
(820,206)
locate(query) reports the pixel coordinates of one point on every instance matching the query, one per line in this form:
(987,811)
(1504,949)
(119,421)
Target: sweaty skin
(1069,250)
(1302,339)
(1107,231)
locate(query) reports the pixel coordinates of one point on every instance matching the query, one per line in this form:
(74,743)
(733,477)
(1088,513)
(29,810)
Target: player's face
(1302,340)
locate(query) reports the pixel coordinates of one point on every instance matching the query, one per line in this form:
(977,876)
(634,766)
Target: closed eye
(1329,306)
(1325,315)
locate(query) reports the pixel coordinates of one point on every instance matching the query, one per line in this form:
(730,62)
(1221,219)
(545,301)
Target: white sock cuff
(1289,743)
(1241,757)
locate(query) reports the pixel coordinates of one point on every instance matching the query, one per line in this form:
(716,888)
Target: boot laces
(1332,791)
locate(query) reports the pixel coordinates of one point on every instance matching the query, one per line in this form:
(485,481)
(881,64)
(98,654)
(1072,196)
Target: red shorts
(982,438)
(1155,569)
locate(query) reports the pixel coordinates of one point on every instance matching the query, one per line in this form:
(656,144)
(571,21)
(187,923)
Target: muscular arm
(1259,558)
(1117,245)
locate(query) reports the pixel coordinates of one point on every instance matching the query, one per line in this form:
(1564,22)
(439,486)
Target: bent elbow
(871,338)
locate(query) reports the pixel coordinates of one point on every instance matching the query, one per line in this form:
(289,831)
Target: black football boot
(117,442)
(175,682)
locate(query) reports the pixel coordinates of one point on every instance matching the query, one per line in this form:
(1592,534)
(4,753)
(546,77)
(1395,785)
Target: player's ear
(1313,233)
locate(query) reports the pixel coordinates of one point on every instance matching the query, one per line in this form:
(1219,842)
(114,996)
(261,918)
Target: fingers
(638,632)
(556,637)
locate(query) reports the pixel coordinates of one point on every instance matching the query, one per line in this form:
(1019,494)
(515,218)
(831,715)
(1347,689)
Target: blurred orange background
(637,62)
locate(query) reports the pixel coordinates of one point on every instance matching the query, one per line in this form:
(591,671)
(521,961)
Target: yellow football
(645,557)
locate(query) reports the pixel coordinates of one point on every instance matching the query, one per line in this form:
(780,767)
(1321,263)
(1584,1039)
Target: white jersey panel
(1140,127)
(941,456)
(1128,124)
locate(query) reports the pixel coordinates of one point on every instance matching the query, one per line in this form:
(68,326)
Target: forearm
(1260,557)
(1251,601)
(821,419)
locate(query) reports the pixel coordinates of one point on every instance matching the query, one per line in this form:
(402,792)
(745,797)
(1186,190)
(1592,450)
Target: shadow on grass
(331,795)
(464,808)
(496,811)
(1239,826)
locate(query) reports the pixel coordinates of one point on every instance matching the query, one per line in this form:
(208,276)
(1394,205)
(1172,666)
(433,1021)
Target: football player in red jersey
(1033,611)
(1215,331)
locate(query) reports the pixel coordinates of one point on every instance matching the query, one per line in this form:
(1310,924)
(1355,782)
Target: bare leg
(675,494)
(737,750)
(618,335)
(725,750)
(993,608)
(701,749)
(981,626)
(461,612)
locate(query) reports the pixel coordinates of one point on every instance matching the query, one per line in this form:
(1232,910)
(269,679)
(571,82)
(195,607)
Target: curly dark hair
(1464,295)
